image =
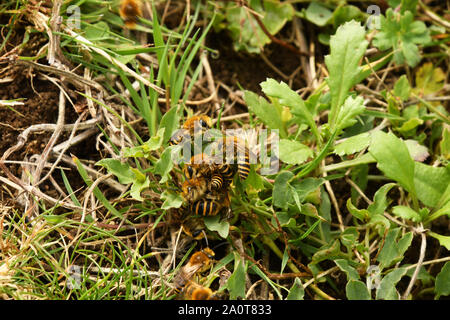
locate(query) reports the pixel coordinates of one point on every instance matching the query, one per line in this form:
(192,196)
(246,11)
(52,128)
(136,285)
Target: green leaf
(284,260)
(213,224)
(171,200)
(297,292)
(281,194)
(353,144)
(244,29)
(164,165)
(293,152)
(393,159)
(402,89)
(349,238)
(360,214)
(387,290)
(306,186)
(357,290)
(328,252)
(417,151)
(401,33)
(351,272)
(442,284)
(137,187)
(170,121)
(347,47)
(121,170)
(406,213)
(443,240)
(270,114)
(236,282)
(429,79)
(318,14)
(290,98)
(393,251)
(432,183)
(144,150)
(347,113)
(380,203)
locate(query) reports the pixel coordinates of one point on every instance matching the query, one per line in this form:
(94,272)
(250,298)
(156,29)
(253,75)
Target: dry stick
(276,40)
(273,67)
(17,184)
(88,45)
(301,42)
(423,247)
(210,79)
(95,174)
(78,81)
(333,199)
(52,140)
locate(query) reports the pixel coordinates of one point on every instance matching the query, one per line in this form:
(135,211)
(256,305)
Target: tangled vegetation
(349,101)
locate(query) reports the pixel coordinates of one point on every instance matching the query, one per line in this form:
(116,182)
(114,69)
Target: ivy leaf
(401,33)
(347,47)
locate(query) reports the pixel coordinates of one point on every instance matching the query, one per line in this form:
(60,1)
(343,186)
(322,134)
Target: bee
(206,207)
(129,11)
(190,127)
(200,165)
(211,204)
(194,291)
(198,263)
(193,227)
(240,151)
(203,165)
(193,189)
(216,182)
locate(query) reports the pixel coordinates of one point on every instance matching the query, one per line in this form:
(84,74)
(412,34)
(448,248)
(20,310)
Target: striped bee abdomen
(216,181)
(205,207)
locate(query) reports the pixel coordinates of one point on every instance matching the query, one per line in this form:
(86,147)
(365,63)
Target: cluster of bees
(186,281)
(207,180)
